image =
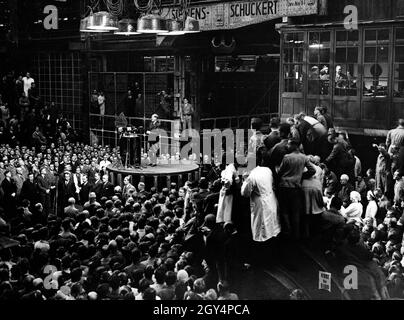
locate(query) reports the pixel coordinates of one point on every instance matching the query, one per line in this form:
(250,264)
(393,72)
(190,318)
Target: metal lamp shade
(102,21)
(175,28)
(127,27)
(84,26)
(191,25)
(151,24)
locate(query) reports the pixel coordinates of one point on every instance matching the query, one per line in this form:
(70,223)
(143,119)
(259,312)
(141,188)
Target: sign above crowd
(230,15)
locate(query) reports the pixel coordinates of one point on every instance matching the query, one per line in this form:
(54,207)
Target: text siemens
(198,13)
(259,8)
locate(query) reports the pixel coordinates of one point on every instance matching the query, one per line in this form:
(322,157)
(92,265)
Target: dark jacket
(43,184)
(85,191)
(107,190)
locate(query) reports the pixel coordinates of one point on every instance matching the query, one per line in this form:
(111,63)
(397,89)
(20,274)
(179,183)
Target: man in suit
(44,186)
(153,139)
(274,137)
(97,186)
(107,189)
(85,189)
(29,190)
(142,190)
(10,193)
(66,190)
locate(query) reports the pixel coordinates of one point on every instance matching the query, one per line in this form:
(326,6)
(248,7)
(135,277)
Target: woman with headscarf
(354,211)
(372,207)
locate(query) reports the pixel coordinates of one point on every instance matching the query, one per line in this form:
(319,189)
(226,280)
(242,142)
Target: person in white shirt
(104,163)
(372,208)
(101,103)
(355,209)
(27,80)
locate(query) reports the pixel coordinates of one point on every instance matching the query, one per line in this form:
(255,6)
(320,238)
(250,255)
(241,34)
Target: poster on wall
(231,15)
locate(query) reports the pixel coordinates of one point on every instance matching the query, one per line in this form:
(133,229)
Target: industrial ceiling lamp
(151,23)
(102,20)
(191,25)
(127,27)
(175,28)
(84,26)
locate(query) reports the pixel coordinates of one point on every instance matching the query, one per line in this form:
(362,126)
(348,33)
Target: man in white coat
(265,223)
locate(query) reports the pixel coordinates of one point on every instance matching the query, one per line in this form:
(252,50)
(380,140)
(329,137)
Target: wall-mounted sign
(230,15)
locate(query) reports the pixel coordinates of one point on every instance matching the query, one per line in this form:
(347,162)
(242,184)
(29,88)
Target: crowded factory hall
(197,240)
(201,150)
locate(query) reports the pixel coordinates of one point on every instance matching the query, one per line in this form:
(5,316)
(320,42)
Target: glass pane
(399,54)
(324,55)
(400,34)
(341,37)
(370,35)
(370,54)
(352,55)
(383,35)
(340,55)
(353,36)
(399,71)
(398,89)
(314,38)
(287,55)
(325,37)
(298,55)
(382,54)
(313,55)
(375,87)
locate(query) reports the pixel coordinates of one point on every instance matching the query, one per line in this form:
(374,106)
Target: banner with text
(230,15)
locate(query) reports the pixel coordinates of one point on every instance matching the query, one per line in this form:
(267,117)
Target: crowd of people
(68,233)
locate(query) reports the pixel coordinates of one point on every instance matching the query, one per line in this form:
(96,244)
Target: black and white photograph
(223,151)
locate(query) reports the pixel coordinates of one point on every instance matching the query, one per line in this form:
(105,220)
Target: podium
(130,144)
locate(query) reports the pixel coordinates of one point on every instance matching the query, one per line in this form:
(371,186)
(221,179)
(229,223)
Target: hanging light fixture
(126,27)
(175,28)
(102,20)
(191,25)
(84,26)
(151,23)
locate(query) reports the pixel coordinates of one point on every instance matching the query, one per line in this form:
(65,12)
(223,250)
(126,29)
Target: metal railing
(234,122)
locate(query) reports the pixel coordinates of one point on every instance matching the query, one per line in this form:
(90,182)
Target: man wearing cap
(291,173)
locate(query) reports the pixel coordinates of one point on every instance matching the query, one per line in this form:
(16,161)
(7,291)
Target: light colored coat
(225,204)
(263,203)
